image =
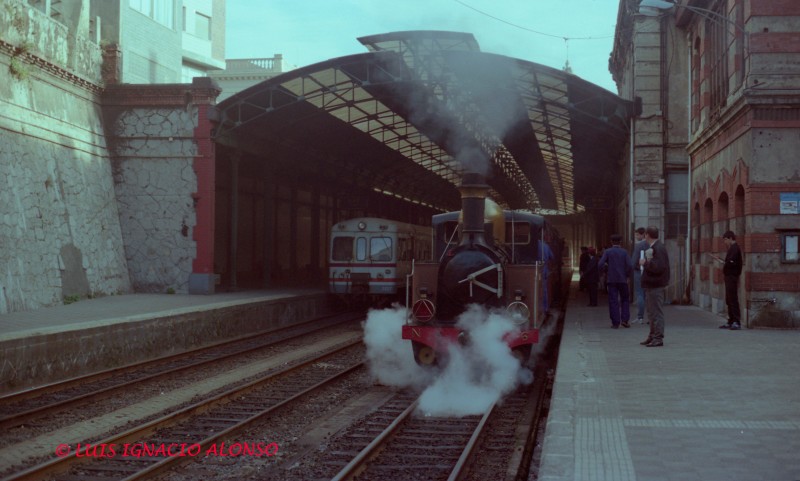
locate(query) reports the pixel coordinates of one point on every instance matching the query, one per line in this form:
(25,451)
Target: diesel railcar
(371,257)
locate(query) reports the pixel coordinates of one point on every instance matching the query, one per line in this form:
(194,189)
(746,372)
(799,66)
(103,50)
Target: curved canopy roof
(422,107)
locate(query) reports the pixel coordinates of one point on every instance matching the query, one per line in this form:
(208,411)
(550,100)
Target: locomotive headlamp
(519,312)
(518,295)
(423,292)
(362,225)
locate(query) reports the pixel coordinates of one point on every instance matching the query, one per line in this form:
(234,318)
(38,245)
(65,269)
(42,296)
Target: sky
(548,32)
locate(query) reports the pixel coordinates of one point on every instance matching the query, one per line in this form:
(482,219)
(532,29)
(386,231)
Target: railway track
(26,406)
(438,447)
(200,426)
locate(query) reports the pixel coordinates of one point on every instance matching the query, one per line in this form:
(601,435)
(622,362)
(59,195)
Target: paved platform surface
(127,308)
(711,404)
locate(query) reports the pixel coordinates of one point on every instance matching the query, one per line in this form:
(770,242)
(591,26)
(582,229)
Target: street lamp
(654,8)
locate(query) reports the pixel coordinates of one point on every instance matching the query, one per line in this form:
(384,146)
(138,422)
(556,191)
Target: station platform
(711,404)
(49,344)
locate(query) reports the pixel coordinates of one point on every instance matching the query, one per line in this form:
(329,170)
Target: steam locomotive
(503,260)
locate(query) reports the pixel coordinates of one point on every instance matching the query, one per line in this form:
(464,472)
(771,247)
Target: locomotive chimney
(473,197)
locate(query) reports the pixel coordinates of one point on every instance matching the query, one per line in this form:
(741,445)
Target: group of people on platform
(648,266)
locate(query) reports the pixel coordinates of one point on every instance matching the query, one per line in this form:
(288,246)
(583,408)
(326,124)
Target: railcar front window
(342,249)
(381,249)
(361,249)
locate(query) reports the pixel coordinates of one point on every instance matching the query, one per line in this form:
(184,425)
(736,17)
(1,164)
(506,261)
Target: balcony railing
(253,65)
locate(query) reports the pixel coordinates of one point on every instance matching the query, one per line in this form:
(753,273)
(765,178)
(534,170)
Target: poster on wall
(790,202)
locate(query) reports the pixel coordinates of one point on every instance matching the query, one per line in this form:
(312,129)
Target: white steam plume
(479,373)
(389,357)
(475,376)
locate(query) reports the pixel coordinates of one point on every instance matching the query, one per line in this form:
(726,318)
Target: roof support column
(234,214)
(203,279)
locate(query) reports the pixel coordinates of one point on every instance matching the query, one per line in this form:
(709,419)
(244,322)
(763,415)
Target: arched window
(724,212)
(738,202)
(708,225)
(738,210)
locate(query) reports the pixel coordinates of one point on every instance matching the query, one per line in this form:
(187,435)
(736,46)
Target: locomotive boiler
(486,256)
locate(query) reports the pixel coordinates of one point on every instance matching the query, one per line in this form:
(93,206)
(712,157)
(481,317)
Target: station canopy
(422,107)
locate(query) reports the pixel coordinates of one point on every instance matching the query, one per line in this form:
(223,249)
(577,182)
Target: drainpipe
(234,220)
(632,208)
(688,266)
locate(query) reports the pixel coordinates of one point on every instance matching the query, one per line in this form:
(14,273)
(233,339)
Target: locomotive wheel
(424,355)
(523,353)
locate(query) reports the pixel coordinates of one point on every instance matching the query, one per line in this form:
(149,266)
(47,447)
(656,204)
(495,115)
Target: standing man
(638,249)
(583,262)
(592,276)
(731,269)
(618,266)
(655,278)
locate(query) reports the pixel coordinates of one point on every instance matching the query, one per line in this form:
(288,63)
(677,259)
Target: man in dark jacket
(583,262)
(617,265)
(655,278)
(731,269)
(591,276)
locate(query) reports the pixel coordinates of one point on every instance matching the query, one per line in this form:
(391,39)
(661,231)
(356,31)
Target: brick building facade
(739,95)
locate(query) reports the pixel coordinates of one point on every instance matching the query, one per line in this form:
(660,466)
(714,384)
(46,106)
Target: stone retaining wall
(45,358)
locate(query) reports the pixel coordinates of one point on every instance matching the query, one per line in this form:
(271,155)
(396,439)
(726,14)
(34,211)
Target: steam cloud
(476,375)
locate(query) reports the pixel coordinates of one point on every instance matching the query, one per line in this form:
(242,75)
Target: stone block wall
(60,233)
(155,180)
(155,148)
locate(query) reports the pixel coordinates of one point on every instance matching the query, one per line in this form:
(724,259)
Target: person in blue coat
(618,268)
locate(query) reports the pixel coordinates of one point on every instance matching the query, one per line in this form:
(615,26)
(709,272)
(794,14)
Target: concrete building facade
(162,41)
(719,84)
(649,65)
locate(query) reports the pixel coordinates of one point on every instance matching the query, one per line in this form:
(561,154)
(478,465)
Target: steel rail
(358,463)
(461,464)
(170,462)
(19,418)
(354,467)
